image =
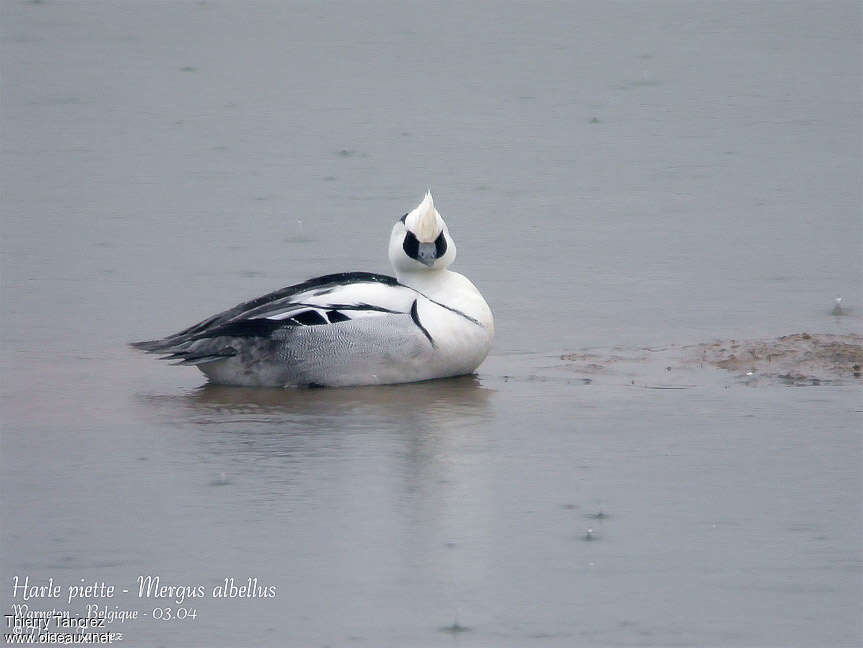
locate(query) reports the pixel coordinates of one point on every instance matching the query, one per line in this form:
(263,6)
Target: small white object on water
(837,308)
(222,480)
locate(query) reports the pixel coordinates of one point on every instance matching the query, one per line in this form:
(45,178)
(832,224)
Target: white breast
(456,316)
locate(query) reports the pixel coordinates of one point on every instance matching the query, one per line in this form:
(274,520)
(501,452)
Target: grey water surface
(620,176)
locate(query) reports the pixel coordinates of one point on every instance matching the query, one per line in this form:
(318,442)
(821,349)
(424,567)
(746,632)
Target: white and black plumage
(353,328)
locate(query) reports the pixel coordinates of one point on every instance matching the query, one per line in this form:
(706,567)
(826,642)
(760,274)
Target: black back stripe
(330,307)
(454,310)
(247,328)
(416,318)
(358,307)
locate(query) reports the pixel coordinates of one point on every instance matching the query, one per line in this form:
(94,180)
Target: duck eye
(411,245)
(440,245)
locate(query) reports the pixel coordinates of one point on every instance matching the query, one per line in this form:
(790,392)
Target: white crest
(425,220)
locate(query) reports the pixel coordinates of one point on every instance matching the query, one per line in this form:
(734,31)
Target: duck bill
(427,254)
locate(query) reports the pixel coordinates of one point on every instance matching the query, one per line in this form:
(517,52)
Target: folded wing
(324,301)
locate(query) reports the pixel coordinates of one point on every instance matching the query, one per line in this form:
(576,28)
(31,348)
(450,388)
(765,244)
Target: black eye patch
(440,245)
(411,246)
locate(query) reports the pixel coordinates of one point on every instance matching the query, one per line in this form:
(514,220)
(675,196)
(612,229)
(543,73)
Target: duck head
(420,240)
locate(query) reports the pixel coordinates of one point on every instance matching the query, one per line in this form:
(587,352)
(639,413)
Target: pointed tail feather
(174,350)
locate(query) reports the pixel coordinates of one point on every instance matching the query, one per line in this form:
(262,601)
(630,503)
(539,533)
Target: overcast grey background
(615,174)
